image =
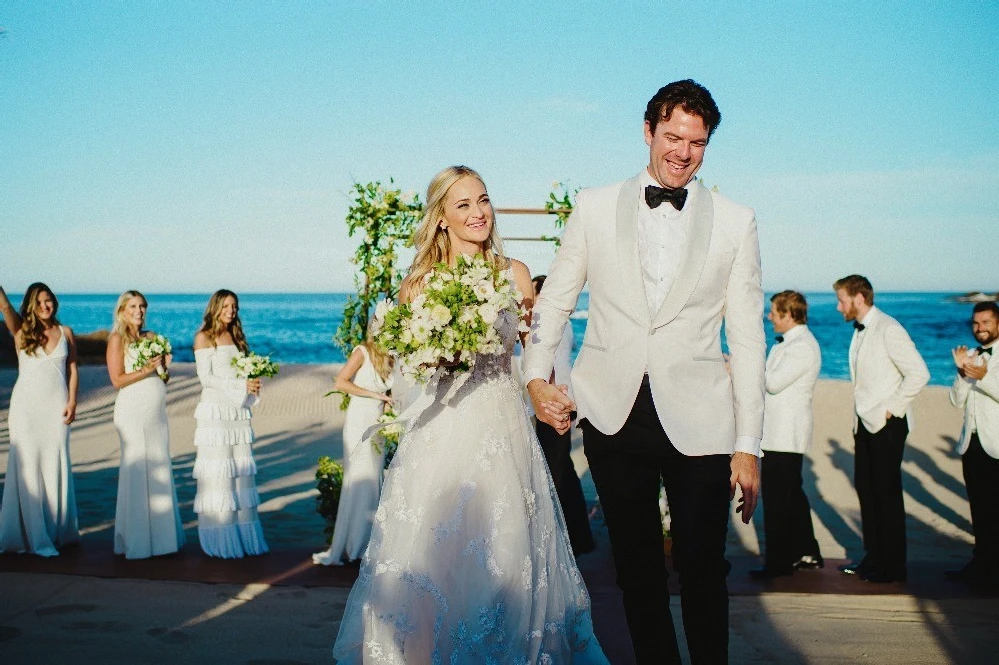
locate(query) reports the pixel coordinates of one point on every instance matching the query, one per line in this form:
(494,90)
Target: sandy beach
(295,425)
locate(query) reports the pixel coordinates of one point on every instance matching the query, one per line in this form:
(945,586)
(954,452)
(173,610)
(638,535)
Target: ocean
(298,328)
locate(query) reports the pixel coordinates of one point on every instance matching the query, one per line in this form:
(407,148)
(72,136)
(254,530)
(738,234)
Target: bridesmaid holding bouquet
(226,503)
(38,513)
(147,519)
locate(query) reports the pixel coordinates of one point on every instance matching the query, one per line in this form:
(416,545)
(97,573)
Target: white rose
(483,289)
(440,315)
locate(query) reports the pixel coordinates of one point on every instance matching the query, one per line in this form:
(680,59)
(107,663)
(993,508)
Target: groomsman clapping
(976,390)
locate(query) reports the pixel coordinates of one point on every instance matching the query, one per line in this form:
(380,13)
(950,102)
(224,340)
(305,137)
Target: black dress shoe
(883,578)
(769,573)
(851,569)
(809,562)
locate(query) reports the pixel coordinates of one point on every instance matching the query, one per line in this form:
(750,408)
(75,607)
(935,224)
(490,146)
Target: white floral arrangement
(251,366)
(390,435)
(147,348)
(451,321)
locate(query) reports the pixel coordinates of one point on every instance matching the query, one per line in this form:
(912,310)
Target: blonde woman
(367,378)
(38,513)
(226,503)
(147,517)
(469,559)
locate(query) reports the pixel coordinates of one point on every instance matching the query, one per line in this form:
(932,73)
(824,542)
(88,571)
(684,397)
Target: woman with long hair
(469,560)
(147,517)
(367,378)
(38,514)
(226,502)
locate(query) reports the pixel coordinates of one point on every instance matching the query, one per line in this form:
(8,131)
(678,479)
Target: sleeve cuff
(530,375)
(748,444)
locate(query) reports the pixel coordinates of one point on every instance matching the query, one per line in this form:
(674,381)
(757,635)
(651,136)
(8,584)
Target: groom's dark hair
(690,96)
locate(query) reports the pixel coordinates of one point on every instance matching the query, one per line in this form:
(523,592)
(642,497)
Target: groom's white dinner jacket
(702,407)
(792,370)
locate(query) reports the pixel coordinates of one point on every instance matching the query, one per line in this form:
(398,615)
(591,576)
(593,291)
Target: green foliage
(560,203)
(386,218)
(329,482)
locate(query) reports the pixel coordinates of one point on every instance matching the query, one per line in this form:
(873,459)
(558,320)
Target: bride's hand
(551,404)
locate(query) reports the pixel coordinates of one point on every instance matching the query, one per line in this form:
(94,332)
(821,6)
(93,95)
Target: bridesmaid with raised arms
(147,519)
(227,499)
(367,378)
(38,514)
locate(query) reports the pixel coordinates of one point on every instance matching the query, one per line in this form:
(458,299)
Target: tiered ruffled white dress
(469,561)
(147,520)
(226,502)
(38,514)
(362,471)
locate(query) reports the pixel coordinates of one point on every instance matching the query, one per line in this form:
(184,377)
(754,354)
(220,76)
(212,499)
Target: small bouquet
(451,320)
(147,348)
(251,366)
(390,434)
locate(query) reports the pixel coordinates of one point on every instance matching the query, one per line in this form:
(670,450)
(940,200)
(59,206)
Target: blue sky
(185,147)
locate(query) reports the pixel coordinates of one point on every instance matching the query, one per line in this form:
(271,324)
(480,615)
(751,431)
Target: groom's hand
(551,404)
(745,474)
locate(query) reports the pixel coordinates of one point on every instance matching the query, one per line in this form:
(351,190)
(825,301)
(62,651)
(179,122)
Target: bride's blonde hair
(431,241)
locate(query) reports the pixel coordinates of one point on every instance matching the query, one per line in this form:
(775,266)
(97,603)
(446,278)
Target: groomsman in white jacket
(887,373)
(792,369)
(976,390)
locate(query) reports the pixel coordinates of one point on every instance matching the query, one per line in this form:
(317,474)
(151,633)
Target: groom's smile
(676,148)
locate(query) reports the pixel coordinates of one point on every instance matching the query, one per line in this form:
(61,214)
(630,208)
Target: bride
(469,561)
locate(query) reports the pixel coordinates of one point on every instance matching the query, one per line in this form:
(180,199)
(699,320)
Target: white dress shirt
(662,244)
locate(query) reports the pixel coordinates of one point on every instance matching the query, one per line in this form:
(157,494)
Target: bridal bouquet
(451,320)
(147,348)
(251,366)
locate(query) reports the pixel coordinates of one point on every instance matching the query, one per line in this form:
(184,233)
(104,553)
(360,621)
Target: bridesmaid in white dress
(38,514)
(226,502)
(367,378)
(147,519)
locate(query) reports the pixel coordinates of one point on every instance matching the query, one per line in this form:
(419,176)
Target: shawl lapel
(693,263)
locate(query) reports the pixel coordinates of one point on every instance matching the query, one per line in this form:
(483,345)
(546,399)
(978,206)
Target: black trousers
(878,478)
(556,448)
(787,524)
(627,468)
(981,477)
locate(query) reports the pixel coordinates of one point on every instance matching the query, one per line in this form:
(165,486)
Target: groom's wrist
(748,444)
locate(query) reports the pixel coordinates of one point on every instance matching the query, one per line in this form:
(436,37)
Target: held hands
(551,404)
(69,413)
(745,474)
(253,387)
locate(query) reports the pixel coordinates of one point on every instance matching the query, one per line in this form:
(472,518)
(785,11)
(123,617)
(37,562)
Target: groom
(667,261)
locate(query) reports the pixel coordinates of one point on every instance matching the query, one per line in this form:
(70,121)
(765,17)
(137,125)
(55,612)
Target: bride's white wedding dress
(469,561)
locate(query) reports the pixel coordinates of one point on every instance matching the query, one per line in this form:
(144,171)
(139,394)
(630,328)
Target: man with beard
(976,390)
(887,373)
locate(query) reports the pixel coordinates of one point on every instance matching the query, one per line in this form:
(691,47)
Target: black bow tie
(858,326)
(980,350)
(655,196)
(779,338)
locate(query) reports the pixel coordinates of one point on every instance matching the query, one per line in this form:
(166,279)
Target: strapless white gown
(38,513)
(469,561)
